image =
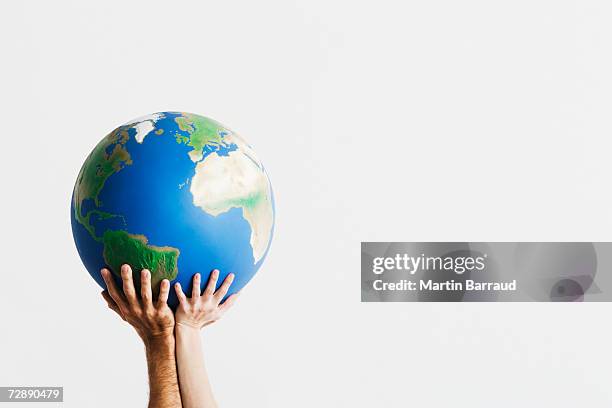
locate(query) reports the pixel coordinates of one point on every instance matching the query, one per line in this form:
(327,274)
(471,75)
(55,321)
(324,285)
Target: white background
(408,121)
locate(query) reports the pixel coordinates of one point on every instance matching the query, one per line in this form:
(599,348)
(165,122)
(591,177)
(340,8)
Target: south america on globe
(175,193)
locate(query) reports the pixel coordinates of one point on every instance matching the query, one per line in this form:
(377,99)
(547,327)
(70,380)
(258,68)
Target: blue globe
(175,193)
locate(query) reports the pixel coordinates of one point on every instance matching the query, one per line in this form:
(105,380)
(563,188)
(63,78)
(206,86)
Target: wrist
(186,327)
(158,341)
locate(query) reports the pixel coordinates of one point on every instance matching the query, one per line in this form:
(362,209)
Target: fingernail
(197,276)
(216,271)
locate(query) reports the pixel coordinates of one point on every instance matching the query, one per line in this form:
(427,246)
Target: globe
(175,193)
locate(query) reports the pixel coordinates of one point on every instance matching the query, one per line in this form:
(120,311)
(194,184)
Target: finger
(222,291)
(111,304)
(229,302)
(145,289)
(164,291)
(195,291)
(112,288)
(109,300)
(180,295)
(128,284)
(212,283)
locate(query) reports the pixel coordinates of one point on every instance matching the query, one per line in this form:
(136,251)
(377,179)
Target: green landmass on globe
(123,248)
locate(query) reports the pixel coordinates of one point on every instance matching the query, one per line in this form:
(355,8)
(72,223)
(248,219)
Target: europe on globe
(175,193)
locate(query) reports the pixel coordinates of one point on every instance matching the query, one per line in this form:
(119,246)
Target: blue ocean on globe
(175,193)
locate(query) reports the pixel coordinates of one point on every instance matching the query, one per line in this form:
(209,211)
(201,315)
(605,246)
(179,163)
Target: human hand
(151,320)
(203,309)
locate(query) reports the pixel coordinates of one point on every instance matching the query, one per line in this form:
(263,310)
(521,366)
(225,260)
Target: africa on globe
(175,193)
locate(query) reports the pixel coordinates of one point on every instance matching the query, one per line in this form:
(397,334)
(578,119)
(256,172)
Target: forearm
(163,380)
(193,378)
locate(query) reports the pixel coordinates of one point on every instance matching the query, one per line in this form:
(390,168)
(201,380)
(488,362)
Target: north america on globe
(175,193)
